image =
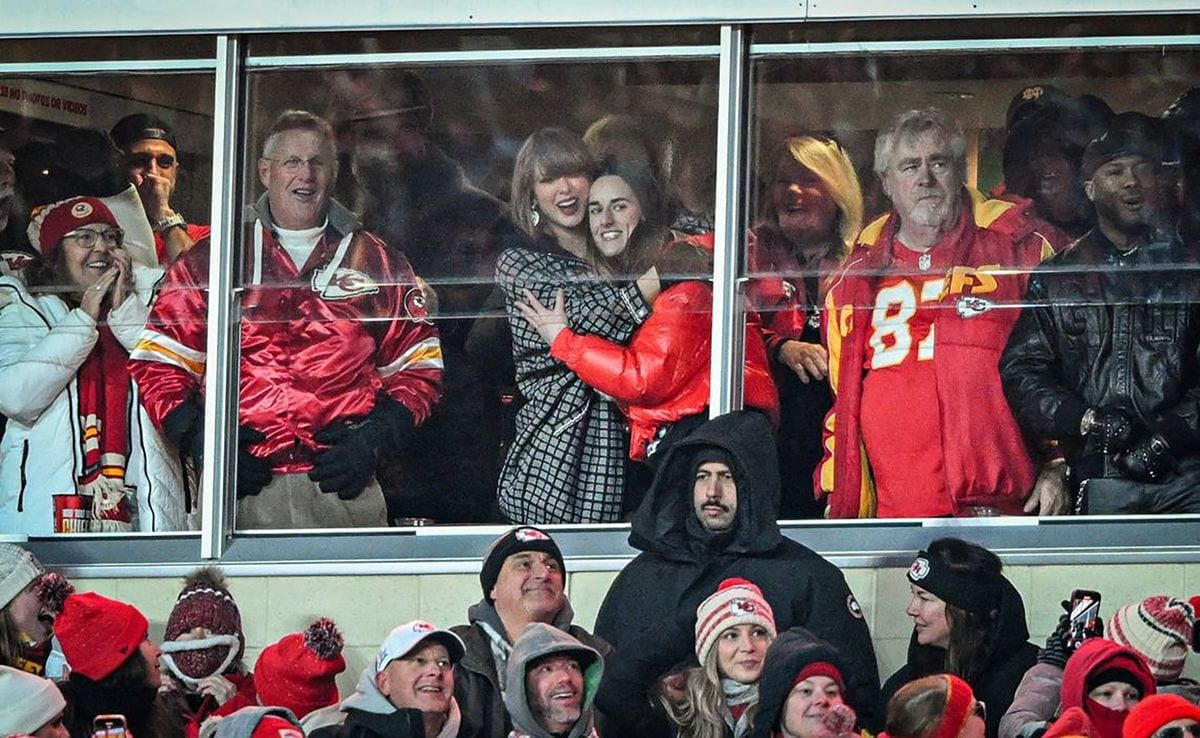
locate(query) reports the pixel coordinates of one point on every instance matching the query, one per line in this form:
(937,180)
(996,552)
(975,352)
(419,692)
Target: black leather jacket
(1104,329)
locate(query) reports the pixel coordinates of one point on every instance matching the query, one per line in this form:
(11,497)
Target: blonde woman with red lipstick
(567,460)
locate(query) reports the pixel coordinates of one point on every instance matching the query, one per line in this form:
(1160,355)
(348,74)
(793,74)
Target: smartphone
(1085,616)
(109,726)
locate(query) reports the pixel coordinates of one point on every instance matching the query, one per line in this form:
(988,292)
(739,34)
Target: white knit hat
(736,602)
(17,569)
(1160,628)
(29,702)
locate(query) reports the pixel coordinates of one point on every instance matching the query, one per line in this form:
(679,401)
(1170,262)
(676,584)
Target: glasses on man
(294,164)
(142,161)
(89,237)
(1179,731)
(979,710)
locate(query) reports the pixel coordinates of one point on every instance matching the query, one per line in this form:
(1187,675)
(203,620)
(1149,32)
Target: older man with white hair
(915,325)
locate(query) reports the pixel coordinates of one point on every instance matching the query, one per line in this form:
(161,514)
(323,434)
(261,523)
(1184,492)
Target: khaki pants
(295,501)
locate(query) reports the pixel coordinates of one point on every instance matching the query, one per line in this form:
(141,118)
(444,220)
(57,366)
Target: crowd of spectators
(720,628)
(1028,350)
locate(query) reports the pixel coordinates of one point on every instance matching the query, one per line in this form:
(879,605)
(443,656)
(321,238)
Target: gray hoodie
(241,724)
(536,641)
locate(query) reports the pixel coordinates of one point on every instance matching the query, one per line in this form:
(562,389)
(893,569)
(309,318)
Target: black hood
(661,521)
(792,651)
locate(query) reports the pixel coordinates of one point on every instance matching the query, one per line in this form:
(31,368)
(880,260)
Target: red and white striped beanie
(736,602)
(1160,628)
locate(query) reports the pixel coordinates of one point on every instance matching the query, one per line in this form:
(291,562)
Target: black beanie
(706,454)
(524,538)
(1115,674)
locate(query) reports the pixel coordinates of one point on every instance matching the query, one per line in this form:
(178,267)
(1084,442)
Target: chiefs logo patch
(530,534)
(854,608)
(81,209)
(919,569)
(13,262)
(414,305)
(343,284)
(742,607)
(422,627)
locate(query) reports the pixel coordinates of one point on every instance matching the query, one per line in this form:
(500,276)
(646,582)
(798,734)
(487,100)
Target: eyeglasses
(1179,731)
(87,237)
(980,710)
(142,161)
(294,164)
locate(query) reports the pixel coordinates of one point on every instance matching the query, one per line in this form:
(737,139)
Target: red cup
(72,513)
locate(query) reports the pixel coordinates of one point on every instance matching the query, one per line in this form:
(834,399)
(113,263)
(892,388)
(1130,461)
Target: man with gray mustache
(915,324)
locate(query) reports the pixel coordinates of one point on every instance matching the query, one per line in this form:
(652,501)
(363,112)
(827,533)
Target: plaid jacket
(567,460)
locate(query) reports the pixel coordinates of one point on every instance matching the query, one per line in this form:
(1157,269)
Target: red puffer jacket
(663,374)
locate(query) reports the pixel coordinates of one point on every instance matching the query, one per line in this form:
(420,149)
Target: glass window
(349,343)
(100,179)
(901,288)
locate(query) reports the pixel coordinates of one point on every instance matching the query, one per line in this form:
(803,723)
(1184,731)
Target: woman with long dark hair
(567,462)
(661,378)
(114,666)
(968,621)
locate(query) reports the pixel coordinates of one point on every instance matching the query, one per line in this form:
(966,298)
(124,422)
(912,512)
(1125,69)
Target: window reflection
(78,233)
(918,318)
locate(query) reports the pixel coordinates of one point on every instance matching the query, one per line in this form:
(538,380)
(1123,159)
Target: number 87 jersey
(920,426)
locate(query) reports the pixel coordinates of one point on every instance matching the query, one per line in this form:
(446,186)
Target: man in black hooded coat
(682,563)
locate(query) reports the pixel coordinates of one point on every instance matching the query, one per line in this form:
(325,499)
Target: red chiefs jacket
(317,343)
(663,374)
(984,456)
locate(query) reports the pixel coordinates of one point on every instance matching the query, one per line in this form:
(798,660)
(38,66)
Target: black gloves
(348,464)
(253,472)
(1149,460)
(1057,650)
(184,426)
(1112,430)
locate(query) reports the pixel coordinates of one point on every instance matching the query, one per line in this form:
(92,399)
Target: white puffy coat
(43,343)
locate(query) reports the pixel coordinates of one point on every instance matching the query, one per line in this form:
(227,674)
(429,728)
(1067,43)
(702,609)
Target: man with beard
(419,200)
(711,515)
(915,324)
(1103,358)
(552,681)
(522,580)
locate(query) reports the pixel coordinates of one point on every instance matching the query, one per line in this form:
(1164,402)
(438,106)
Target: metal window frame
(869,543)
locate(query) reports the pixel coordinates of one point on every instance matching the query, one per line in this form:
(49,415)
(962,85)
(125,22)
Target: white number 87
(895,305)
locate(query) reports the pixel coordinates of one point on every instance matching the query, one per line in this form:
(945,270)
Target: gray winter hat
(18,568)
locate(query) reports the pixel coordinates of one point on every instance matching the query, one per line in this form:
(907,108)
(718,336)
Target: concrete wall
(367,607)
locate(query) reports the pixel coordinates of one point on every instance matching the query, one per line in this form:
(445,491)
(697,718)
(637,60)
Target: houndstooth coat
(567,460)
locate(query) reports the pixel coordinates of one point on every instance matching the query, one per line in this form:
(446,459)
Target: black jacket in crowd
(1103,329)
(653,601)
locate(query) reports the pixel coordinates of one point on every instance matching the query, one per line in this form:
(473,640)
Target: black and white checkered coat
(567,460)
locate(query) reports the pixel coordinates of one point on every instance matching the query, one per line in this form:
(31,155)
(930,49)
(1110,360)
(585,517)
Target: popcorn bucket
(72,513)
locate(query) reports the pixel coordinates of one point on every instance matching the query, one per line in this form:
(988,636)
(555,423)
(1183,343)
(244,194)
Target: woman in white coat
(76,426)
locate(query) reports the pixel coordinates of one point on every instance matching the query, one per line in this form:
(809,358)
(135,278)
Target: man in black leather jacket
(1105,358)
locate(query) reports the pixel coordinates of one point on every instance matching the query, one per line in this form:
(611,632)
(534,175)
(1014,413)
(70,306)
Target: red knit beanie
(1152,713)
(98,634)
(1160,629)
(51,222)
(821,668)
(299,672)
